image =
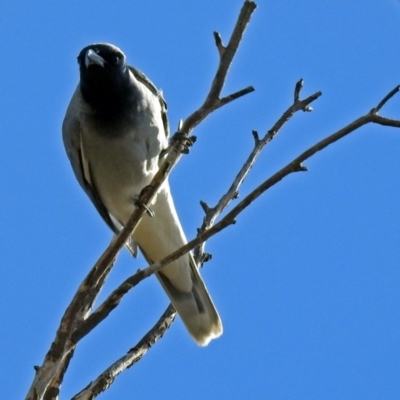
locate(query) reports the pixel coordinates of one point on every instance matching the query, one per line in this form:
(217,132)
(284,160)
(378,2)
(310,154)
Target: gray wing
(142,78)
(72,138)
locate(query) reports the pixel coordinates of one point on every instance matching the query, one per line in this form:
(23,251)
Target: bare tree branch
(293,166)
(296,164)
(106,378)
(226,55)
(385,100)
(79,319)
(49,376)
(209,231)
(213,212)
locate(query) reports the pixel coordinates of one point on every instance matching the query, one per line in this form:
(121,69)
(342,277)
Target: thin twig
(385,99)
(219,44)
(103,381)
(211,213)
(297,89)
(226,55)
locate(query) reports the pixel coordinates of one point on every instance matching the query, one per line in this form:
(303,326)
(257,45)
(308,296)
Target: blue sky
(306,282)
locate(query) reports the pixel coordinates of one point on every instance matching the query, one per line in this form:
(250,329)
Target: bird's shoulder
(143,79)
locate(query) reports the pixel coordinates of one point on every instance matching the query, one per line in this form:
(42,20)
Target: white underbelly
(120,168)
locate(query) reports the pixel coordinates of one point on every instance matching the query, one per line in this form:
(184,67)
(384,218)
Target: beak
(93,58)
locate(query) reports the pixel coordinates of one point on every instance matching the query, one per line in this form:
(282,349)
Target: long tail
(158,237)
(196,307)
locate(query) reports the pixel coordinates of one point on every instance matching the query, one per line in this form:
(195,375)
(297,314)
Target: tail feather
(158,237)
(195,308)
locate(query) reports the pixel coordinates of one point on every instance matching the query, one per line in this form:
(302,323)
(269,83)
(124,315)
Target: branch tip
(219,44)
(251,3)
(236,95)
(297,90)
(385,100)
(212,101)
(256,137)
(206,208)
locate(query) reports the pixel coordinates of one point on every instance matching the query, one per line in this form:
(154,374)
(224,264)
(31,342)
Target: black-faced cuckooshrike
(114,131)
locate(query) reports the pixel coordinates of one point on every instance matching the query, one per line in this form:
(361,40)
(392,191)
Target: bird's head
(104,74)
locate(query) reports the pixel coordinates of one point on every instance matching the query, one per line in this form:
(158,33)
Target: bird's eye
(116,59)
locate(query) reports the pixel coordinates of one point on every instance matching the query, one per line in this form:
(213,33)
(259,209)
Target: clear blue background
(307,281)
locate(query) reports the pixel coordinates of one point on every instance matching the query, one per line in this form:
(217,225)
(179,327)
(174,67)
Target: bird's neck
(108,102)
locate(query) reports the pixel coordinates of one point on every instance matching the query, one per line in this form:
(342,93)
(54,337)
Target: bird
(115,132)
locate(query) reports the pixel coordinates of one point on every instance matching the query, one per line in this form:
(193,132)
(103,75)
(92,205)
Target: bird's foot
(184,140)
(139,203)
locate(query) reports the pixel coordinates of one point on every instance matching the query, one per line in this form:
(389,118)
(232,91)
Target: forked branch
(164,322)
